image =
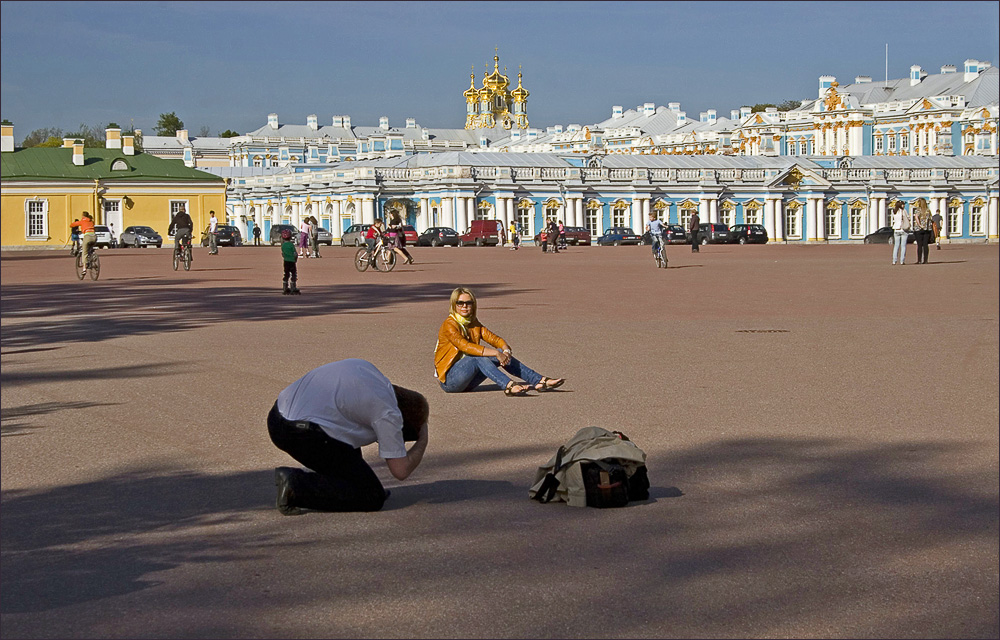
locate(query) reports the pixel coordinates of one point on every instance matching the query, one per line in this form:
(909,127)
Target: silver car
(354,236)
(323,236)
(140,236)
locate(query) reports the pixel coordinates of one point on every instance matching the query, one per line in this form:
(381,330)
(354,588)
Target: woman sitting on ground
(461,363)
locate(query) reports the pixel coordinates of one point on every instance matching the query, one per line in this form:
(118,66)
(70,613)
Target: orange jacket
(86,225)
(451,344)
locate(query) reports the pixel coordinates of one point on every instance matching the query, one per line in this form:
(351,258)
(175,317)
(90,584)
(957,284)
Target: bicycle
(661,254)
(74,248)
(183,254)
(93,264)
(383,258)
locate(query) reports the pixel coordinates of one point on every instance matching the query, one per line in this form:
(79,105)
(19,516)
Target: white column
(471,209)
(810,221)
(448,214)
(460,215)
(779,219)
(423,220)
(578,218)
(713,209)
(367,211)
(635,215)
(991,218)
(883,220)
(645,214)
(769,218)
(703,209)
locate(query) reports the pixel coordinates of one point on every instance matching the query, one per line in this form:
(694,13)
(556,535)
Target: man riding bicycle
(87,236)
(656,230)
(180,227)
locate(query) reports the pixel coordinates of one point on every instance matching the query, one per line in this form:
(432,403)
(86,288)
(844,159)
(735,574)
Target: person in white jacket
(900,230)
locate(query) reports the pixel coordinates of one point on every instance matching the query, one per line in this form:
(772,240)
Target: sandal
(516,389)
(547,384)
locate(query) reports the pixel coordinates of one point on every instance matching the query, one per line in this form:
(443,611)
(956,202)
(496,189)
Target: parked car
(354,236)
(139,236)
(884,236)
(574,236)
(712,233)
(274,237)
(748,234)
(104,239)
(481,233)
(674,234)
(226,234)
(437,236)
(323,236)
(618,235)
(411,234)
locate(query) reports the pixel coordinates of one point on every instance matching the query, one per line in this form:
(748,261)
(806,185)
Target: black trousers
(923,240)
(695,240)
(291,270)
(340,479)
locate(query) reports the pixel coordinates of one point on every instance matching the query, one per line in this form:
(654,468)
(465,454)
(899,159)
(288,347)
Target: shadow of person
(448,491)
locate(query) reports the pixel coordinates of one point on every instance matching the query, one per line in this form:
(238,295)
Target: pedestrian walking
(694,228)
(213,236)
(936,221)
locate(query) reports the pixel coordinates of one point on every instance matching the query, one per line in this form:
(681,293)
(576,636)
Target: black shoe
(283,480)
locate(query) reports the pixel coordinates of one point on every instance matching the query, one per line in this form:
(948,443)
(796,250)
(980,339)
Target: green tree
(168,124)
(229,133)
(53,141)
(91,136)
(787,105)
(40,136)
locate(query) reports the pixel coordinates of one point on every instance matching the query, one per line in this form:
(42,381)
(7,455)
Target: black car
(748,234)
(437,236)
(884,236)
(618,235)
(712,233)
(226,234)
(674,234)
(275,236)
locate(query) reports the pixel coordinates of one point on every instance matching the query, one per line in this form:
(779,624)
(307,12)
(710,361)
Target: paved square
(821,431)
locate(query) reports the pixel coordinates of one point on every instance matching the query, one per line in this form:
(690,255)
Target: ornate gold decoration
(794,178)
(660,205)
(927,104)
(593,204)
(760,119)
(833,99)
(794,205)
(979,202)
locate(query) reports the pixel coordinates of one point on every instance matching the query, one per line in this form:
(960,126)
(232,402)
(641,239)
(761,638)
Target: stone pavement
(821,431)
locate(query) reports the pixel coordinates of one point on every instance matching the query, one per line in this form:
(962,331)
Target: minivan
(711,233)
(482,232)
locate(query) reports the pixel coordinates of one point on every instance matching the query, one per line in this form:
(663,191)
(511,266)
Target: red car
(410,234)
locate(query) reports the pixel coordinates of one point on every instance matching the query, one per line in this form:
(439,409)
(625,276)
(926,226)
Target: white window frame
(619,216)
(879,144)
(685,217)
(42,222)
(525,217)
(856,222)
(891,144)
(976,226)
(792,223)
(592,220)
(831,221)
(751,215)
(726,216)
(954,220)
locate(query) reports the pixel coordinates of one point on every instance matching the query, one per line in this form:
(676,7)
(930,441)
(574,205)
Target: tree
(787,105)
(229,133)
(204,132)
(53,141)
(91,136)
(40,137)
(168,124)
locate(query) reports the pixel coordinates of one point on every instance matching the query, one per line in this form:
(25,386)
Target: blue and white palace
(827,171)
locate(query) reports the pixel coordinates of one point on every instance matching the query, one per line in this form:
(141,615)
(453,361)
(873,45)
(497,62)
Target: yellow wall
(67,201)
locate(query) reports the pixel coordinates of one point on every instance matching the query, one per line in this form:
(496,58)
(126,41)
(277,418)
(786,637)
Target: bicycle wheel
(385,260)
(177,260)
(95,266)
(79,266)
(361,261)
(187,258)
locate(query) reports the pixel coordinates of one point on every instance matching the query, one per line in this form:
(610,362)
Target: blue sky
(226,65)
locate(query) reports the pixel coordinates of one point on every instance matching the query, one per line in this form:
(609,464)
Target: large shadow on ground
(804,532)
(146,307)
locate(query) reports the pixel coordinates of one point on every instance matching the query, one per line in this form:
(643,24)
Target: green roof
(45,163)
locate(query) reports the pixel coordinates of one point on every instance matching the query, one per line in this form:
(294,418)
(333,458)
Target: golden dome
(470,93)
(520,94)
(496,81)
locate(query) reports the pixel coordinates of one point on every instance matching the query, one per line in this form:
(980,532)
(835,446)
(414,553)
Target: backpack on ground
(596,468)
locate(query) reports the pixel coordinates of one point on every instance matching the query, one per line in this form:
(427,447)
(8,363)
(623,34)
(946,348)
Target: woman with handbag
(461,363)
(397,235)
(922,231)
(900,230)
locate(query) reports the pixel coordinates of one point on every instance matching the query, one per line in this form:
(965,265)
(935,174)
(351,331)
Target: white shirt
(213,223)
(900,220)
(352,401)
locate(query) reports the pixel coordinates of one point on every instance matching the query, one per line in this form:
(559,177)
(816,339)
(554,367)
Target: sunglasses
(463,303)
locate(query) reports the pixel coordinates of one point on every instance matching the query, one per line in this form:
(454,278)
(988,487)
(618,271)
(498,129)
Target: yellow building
(44,189)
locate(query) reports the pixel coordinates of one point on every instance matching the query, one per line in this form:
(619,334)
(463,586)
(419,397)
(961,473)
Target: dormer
(272,121)
(312,122)
(383,122)
(616,111)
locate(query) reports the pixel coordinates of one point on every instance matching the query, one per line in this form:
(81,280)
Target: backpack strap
(547,491)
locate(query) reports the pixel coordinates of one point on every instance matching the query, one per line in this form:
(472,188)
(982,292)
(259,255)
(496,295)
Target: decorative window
(36,219)
(119,165)
(619,215)
(483,211)
(752,215)
(804,146)
(792,146)
(592,220)
(792,223)
(258,161)
(726,217)
(904,142)
(524,219)
(878,144)
(175,206)
(892,143)
(831,219)
(954,219)
(686,214)
(856,222)
(976,227)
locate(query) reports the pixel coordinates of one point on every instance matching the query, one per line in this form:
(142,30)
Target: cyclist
(656,229)
(87,237)
(74,236)
(181,227)
(371,237)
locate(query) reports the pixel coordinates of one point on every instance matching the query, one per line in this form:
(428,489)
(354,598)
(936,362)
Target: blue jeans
(899,247)
(470,371)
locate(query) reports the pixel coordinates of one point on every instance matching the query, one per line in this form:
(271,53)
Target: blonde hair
(454,300)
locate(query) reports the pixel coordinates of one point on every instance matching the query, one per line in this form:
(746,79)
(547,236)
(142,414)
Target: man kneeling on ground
(325,417)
